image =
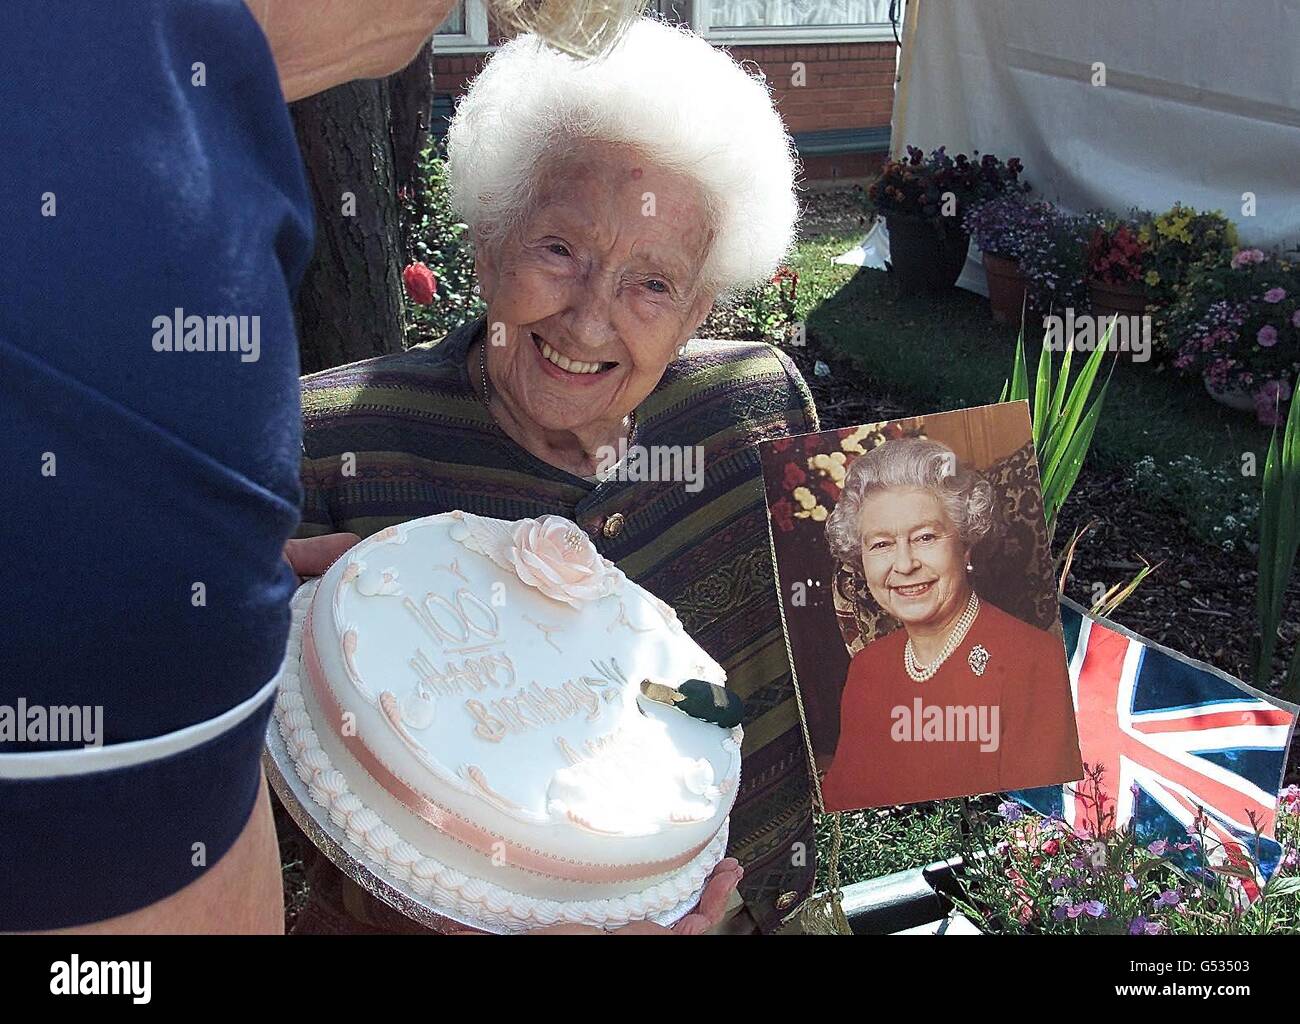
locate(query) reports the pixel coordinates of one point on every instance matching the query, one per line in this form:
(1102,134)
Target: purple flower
(1130,883)
(1058,883)
(1291,858)
(1060,911)
(1295,318)
(1141,926)
(1003,848)
(1093,908)
(1275,295)
(1010,811)
(1168,898)
(1077,863)
(1160,847)
(1267,336)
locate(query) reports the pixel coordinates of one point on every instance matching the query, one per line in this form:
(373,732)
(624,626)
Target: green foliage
(1279,537)
(441,241)
(1063,421)
(1215,502)
(1031,875)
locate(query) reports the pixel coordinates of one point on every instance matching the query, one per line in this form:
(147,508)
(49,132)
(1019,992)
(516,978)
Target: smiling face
(591,295)
(914,560)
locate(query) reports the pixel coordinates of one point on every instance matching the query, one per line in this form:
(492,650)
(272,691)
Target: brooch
(978,659)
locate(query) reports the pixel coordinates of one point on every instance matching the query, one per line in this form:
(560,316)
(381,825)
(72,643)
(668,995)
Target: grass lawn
(947,353)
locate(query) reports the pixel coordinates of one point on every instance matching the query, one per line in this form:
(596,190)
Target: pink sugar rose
(1247,256)
(1295,319)
(1267,336)
(555,556)
(1274,295)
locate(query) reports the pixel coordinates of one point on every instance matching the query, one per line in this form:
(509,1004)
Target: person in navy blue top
(154,223)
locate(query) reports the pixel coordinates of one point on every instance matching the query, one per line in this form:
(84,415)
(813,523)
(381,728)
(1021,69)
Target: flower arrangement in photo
(1237,321)
(1117,254)
(1054,261)
(813,477)
(916,185)
(1006,225)
(1032,874)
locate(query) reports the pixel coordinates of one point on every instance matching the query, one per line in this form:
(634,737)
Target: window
(793,21)
(464,30)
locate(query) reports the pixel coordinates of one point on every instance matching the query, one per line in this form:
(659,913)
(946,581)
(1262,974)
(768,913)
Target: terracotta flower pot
(1006,289)
(922,259)
(1123,299)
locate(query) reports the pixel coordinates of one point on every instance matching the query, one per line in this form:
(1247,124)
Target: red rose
(1052,847)
(420,283)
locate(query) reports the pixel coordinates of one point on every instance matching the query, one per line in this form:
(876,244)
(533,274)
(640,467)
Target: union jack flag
(1172,736)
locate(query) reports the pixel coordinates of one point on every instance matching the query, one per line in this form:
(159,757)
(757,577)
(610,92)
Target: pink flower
(1246,256)
(1295,318)
(420,283)
(1275,295)
(555,556)
(1267,336)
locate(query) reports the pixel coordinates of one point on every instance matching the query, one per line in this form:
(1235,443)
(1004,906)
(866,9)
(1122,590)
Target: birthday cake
(491,715)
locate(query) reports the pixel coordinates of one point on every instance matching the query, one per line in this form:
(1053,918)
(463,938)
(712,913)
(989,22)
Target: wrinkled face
(914,560)
(591,296)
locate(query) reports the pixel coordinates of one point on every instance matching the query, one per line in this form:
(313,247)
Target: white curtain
(776,13)
(1194,107)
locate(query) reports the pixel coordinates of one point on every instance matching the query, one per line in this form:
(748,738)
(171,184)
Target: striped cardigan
(423,443)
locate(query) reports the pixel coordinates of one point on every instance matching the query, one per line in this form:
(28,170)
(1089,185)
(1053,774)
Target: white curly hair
(966,496)
(662,90)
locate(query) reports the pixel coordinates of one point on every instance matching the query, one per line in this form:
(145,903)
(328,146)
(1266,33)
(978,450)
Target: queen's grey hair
(661,90)
(909,462)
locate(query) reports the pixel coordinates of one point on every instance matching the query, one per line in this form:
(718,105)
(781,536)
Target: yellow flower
(818,514)
(1152,278)
(804,497)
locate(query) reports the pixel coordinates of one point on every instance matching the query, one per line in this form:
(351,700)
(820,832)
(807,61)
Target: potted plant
(1178,239)
(923,199)
(1238,321)
(1002,228)
(1054,261)
(1118,262)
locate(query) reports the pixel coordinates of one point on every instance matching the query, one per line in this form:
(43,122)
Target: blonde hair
(581,28)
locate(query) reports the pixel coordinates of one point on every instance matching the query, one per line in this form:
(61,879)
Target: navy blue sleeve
(154,224)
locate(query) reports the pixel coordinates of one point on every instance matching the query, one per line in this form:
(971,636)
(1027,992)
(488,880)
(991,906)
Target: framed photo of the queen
(920,600)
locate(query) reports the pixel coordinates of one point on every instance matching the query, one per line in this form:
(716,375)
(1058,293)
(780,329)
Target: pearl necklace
(955,637)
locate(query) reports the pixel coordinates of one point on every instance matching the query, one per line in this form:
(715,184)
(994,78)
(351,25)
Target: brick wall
(846,86)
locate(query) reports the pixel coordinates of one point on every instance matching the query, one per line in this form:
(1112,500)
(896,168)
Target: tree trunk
(350,305)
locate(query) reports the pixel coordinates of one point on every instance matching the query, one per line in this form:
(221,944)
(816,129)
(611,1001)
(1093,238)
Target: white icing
(647,786)
(373,582)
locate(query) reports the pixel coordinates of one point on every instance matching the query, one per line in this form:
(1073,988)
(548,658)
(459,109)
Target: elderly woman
(611,202)
(964,698)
